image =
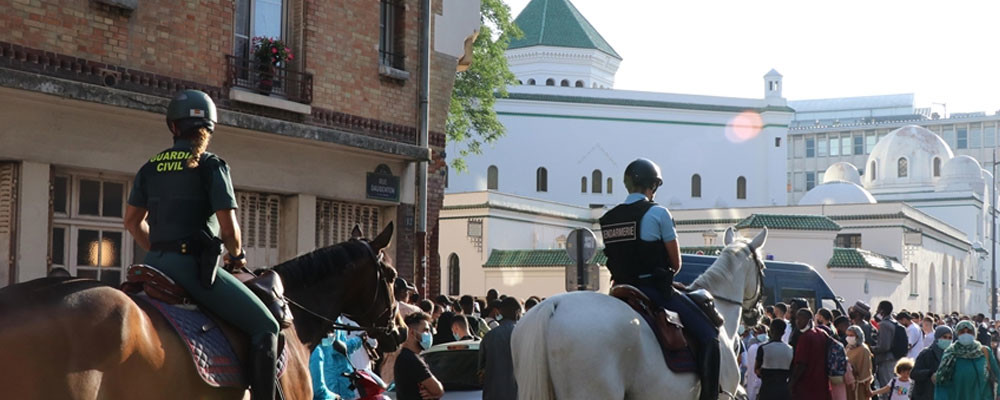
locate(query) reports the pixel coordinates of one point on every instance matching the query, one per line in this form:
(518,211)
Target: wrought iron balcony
(270,80)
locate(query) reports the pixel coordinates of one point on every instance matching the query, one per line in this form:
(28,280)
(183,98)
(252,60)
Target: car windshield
(457,369)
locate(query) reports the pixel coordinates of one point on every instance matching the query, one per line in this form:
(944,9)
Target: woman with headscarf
(860,359)
(927,364)
(968,369)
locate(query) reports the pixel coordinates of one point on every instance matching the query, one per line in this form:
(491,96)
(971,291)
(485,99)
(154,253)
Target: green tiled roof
(705,250)
(859,259)
(788,221)
(536,258)
(557,23)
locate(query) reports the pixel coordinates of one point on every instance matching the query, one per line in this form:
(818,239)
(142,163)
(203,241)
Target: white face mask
(852,340)
(808,327)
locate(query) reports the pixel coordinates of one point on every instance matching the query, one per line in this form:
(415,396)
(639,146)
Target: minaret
(772,89)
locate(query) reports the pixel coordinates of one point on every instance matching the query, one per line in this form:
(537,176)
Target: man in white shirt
(928,332)
(913,335)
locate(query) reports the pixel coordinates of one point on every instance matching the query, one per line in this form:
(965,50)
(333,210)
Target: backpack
(900,341)
(836,358)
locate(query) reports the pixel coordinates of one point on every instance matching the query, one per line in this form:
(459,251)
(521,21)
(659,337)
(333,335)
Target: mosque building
(907,222)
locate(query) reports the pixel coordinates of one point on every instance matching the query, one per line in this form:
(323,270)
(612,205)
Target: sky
(942,51)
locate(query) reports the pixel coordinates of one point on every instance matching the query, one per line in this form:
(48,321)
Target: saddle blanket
(211,352)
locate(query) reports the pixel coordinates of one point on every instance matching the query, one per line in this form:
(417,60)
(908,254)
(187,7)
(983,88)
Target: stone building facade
(84,86)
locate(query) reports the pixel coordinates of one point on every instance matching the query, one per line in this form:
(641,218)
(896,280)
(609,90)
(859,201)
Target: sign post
(581,245)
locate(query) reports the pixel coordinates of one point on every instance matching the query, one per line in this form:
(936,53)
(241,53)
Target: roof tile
(558,23)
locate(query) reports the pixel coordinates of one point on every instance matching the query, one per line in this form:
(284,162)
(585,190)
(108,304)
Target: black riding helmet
(643,173)
(189,110)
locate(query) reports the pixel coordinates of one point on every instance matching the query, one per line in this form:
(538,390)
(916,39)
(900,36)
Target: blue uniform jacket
(327,367)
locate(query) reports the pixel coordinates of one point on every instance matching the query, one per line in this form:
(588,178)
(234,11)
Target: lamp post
(993,238)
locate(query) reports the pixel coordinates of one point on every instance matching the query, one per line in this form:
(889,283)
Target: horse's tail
(530,352)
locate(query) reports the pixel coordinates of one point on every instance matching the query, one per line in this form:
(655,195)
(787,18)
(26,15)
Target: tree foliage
(472,122)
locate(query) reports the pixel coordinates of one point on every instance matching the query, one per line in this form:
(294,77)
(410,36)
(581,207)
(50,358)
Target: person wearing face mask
(885,359)
(414,380)
(751,380)
(927,364)
(859,358)
(809,379)
(327,366)
(968,369)
(460,328)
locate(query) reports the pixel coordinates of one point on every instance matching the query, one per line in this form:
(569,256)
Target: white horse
(587,345)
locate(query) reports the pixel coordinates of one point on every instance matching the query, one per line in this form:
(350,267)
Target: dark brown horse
(66,338)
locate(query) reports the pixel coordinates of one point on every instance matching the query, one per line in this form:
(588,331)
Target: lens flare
(744,126)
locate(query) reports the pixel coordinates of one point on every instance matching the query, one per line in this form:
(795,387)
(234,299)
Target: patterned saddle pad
(211,352)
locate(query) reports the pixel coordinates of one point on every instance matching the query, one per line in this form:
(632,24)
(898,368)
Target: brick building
(84,86)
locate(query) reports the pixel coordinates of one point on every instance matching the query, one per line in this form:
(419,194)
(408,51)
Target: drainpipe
(424,121)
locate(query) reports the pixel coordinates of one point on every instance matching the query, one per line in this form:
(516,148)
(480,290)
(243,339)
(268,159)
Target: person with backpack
(891,345)
(809,378)
(836,365)
(968,370)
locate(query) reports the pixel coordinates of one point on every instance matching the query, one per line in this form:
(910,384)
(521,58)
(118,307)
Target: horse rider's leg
(232,301)
(708,347)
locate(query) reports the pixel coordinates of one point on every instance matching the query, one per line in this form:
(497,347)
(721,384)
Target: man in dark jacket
(927,364)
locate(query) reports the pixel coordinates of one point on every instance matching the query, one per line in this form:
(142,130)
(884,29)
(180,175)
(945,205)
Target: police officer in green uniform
(640,242)
(182,199)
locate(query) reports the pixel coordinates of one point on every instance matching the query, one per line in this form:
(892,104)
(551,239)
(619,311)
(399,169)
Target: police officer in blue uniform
(181,202)
(641,245)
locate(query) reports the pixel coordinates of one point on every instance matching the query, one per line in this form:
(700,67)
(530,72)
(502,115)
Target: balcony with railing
(280,83)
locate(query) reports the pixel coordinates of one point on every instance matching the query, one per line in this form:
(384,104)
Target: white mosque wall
(573,140)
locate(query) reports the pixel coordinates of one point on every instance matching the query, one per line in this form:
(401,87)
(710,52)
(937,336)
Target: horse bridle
(749,303)
(377,258)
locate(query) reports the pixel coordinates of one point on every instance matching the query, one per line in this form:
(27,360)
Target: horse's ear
(758,241)
(383,238)
(729,236)
(356,232)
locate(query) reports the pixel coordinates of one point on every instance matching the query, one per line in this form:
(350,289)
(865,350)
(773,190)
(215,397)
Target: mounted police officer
(641,245)
(181,203)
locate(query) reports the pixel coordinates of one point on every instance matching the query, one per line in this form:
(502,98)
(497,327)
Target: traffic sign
(581,245)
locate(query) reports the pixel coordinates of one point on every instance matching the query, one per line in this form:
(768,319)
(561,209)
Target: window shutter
(8,216)
(259,218)
(336,219)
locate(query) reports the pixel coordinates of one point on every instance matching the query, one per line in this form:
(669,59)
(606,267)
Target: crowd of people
(489,321)
(800,353)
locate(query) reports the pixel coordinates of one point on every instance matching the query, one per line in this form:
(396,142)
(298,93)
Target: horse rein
(755,298)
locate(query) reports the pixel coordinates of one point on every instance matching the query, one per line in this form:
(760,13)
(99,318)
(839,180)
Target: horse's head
(373,306)
(744,255)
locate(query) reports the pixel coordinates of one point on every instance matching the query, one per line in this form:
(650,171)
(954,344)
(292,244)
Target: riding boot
(263,370)
(708,369)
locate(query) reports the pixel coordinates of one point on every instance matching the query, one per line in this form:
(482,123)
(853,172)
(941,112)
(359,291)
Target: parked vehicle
(456,365)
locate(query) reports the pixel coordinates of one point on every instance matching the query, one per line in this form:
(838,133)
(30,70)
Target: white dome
(837,192)
(842,171)
(962,173)
(905,159)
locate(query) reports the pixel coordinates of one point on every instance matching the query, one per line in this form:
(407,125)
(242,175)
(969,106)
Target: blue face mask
(498,318)
(328,341)
(455,335)
(944,343)
(762,337)
(426,340)
(740,330)
(966,339)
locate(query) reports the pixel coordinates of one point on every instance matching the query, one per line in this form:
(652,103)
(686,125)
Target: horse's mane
(317,265)
(721,270)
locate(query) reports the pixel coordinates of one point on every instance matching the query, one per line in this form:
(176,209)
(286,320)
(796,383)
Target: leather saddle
(267,286)
(666,324)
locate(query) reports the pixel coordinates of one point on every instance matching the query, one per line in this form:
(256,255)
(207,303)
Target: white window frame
(73,222)
(252,29)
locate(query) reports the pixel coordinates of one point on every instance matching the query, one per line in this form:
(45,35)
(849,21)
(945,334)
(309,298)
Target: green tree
(472,121)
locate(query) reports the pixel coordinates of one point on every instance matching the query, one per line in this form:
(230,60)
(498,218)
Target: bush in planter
(269,53)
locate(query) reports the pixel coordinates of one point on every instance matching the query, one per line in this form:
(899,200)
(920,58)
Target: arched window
(696,186)
(491,177)
(454,274)
(741,188)
(609,185)
(550,82)
(902,168)
(871,171)
(583,184)
(565,82)
(531,81)
(445,176)
(519,82)
(579,84)
(541,180)
(594,85)
(937,167)
(595,181)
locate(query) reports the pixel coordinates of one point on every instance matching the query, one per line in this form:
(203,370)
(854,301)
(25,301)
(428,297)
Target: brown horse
(66,338)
